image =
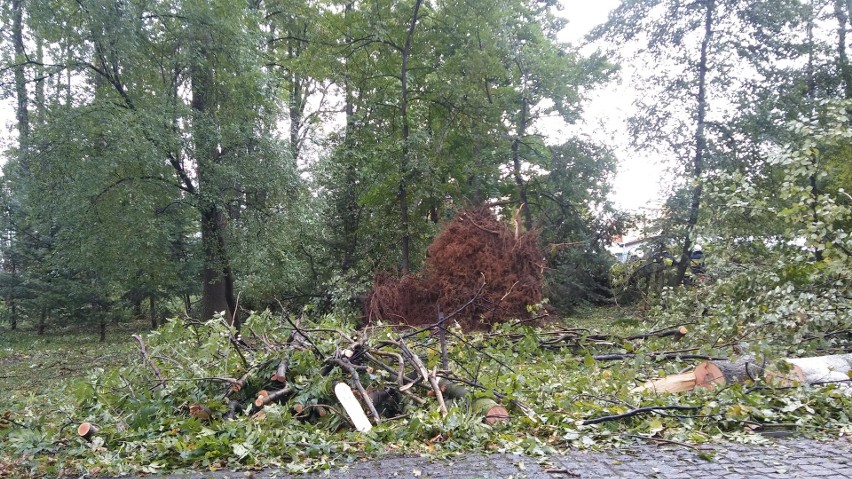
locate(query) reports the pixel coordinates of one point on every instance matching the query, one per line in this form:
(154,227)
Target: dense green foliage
(188,154)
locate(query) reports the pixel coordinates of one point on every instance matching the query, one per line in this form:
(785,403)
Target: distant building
(625,248)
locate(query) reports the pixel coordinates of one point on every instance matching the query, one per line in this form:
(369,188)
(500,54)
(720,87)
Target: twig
(636,411)
(655,356)
(144,351)
(668,441)
(418,365)
(296,328)
(567,472)
(234,342)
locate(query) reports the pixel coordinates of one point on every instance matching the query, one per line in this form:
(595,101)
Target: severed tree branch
(639,410)
(144,351)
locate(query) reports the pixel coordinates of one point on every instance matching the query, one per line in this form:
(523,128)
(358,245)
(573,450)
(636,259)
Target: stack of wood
(786,372)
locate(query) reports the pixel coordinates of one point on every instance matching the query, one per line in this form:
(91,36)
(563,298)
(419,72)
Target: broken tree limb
(280,374)
(678,333)
(267,397)
(144,351)
(662,356)
(452,390)
(639,410)
(431,378)
(239,384)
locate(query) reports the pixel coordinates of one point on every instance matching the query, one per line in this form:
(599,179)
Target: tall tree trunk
(217,294)
(10,299)
(152,311)
(842,15)
(700,141)
(42,320)
(347,204)
(39,86)
(810,94)
(22,112)
(402,193)
(22,116)
(218,283)
(516,164)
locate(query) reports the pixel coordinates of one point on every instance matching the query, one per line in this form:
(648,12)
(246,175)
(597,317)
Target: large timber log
(710,374)
(821,369)
(813,370)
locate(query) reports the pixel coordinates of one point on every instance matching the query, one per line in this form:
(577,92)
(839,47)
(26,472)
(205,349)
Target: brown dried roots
(473,249)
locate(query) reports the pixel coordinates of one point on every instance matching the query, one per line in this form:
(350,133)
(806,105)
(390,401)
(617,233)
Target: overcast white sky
(636,185)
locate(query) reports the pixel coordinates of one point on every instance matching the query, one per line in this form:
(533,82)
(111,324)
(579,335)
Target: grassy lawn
(33,364)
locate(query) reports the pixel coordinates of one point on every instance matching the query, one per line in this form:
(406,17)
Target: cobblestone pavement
(790,458)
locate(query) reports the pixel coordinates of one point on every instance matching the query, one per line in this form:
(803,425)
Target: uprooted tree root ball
(476,263)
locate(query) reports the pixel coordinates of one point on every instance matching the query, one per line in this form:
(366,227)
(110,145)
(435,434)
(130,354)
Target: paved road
(791,458)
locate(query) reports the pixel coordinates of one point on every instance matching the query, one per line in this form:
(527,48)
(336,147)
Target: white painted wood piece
(352,407)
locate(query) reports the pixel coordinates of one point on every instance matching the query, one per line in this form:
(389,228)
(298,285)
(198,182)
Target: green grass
(33,364)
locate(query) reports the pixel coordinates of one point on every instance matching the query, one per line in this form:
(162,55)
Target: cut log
(87,430)
(790,377)
(352,407)
(241,383)
(813,370)
(280,374)
(822,369)
(710,374)
(265,397)
(676,383)
(491,411)
(451,390)
(235,408)
(200,411)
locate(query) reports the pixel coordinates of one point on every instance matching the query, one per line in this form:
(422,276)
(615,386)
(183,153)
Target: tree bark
(218,282)
(347,204)
(516,165)
(217,294)
(700,140)
(42,319)
(402,193)
(153,311)
(712,373)
(842,16)
(22,111)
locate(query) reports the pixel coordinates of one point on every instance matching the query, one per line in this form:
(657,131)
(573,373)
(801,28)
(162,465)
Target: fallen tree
(785,372)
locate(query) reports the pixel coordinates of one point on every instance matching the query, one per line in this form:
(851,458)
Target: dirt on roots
(475,261)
